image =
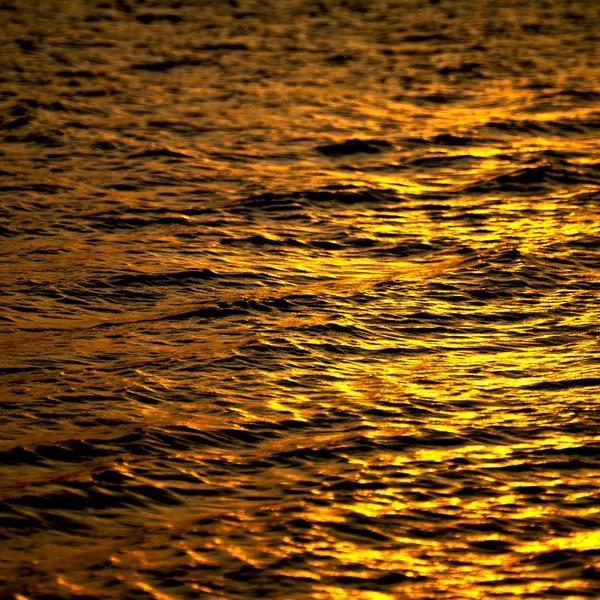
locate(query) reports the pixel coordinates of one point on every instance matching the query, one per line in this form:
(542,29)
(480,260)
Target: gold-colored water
(300,300)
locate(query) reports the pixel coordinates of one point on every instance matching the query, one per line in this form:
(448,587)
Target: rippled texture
(300,299)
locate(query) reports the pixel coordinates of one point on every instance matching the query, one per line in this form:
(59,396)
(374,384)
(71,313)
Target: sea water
(300,299)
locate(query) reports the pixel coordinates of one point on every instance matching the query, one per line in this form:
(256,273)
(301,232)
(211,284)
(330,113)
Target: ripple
(300,300)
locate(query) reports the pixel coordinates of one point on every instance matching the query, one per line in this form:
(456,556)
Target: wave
(543,178)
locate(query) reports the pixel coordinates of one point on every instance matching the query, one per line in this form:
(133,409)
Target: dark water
(300,299)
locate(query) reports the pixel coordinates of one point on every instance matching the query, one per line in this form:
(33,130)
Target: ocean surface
(300,299)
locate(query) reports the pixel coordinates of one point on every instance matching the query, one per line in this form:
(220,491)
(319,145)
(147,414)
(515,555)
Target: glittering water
(299,299)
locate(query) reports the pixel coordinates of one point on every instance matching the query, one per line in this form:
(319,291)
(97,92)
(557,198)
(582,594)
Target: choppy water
(300,299)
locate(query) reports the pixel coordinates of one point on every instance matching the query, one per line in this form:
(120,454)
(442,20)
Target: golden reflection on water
(384,394)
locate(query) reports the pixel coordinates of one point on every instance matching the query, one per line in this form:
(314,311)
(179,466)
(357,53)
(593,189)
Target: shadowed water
(299,299)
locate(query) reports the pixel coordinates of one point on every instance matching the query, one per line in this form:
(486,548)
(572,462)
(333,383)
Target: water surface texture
(300,300)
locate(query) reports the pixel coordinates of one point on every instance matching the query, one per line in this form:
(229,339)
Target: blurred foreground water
(300,299)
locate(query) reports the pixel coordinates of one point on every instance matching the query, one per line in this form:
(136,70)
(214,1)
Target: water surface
(300,299)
